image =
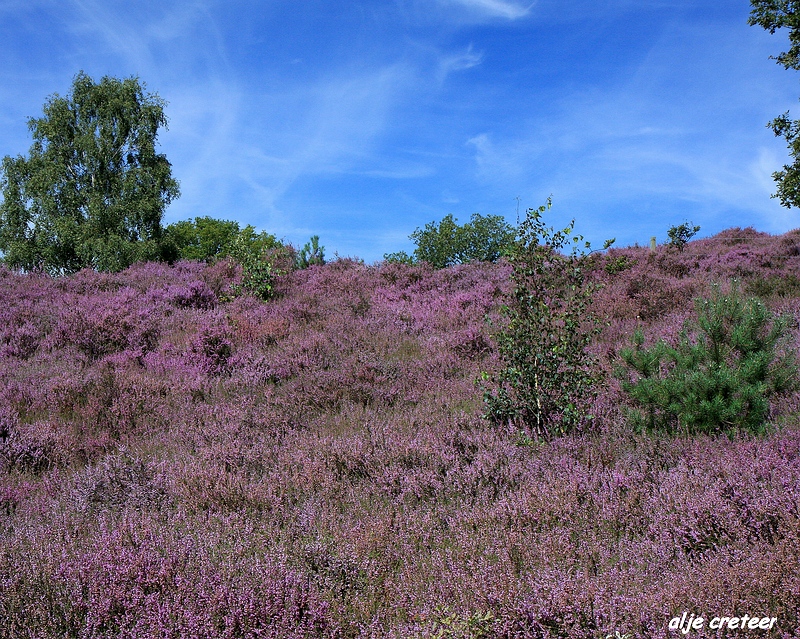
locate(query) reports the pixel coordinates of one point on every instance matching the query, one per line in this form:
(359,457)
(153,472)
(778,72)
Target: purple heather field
(180,463)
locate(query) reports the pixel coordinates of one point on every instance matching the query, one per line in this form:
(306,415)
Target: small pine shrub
(720,375)
(312,254)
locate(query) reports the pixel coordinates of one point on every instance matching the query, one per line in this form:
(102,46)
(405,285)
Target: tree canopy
(207,239)
(485,238)
(93,189)
(773,15)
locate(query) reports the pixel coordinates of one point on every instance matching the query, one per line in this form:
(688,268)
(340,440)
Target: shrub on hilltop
(207,239)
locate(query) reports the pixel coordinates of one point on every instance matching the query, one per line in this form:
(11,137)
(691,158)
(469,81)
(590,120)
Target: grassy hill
(180,463)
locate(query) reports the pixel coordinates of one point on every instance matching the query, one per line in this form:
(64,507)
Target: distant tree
(773,15)
(485,238)
(93,190)
(257,243)
(207,239)
(436,243)
(398,257)
(482,239)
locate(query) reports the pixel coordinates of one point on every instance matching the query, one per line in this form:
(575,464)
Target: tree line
(92,192)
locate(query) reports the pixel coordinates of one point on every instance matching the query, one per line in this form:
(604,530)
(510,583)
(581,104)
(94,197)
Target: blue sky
(360,121)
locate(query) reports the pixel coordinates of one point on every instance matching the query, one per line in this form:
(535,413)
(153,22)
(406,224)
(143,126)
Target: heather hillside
(179,461)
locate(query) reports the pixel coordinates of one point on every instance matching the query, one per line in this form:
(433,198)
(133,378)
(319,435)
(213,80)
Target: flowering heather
(178,462)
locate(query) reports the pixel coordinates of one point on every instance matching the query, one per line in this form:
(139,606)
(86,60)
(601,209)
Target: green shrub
(720,375)
(482,239)
(399,257)
(255,244)
(207,239)
(260,270)
(680,235)
(548,380)
(258,278)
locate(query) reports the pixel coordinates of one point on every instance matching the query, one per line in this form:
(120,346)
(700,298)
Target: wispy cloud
(461,61)
(156,44)
(493,8)
(656,138)
(102,23)
(599,171)
(280,138)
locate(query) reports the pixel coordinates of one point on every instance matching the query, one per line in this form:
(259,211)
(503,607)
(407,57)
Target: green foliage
(263,259)
(547,382)
(399,257)
(207,239)
(254,243)
(485,238)
(720,375)
(311,254)
(482,239)
(788,180)
(615,265)
(777,14)
(680,235)
(93,190)
(773,15)
(436,243)
(201,239)
(258,272)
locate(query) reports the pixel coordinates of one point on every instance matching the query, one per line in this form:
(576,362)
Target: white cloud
(508,163)
(494,8)
(679,133)
(454,62)
(264,145)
